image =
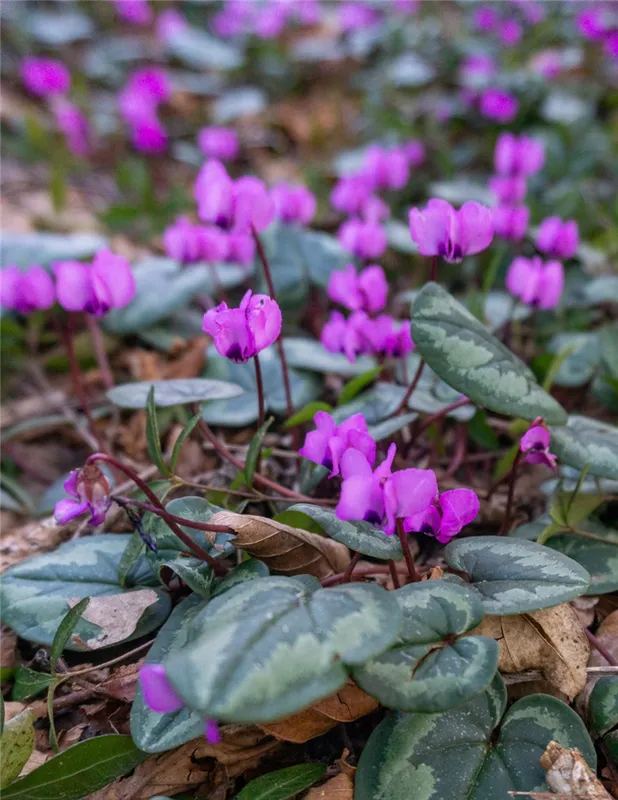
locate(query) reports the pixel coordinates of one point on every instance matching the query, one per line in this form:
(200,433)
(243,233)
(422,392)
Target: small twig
(188,523)
(600,647)
(411,388)
(433,271)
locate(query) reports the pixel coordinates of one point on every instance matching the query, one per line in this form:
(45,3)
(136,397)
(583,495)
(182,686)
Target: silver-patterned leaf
(268,648)
(514,576)
(587,442)
(358,536)
(466,355)
(305,353)
(172,393)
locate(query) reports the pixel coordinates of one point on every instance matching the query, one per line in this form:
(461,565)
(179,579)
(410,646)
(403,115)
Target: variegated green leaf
(172,393)
(422,672)
(155,732)
(514,576)
(453,754)
(604,712)
(584,441)
(269,648)
(469,358)
(37,593)
(305,353)
(249,570)
(358,536)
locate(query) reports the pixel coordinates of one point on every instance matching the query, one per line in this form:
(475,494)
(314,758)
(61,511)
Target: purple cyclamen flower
(475,70)
(89,490)
(72,122)
(218,142)
(271,19)
(389,337)
(327,444)
(293,203)
(241,248)
(498,105)
(382,496)
(535,445)
(366,291)
(170,22)
(610,44)
(239,205)
(95,288)
(351,192)
(233,18)
(354,16)
(485,18)
(441,230)
(510,32)
(511,222)
(26,290)
(508,189)
(136,12)
(454,510)
(188,243)
(151,82)
(386,169)
(149,136)
(591,22)
(241,333)
(518,155)
(365,239)
(374,209)
(558,239)
(45,77)
(536,283)
(345,336)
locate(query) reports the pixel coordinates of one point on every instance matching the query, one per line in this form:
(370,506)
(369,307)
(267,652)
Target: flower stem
(347,575)
(433,271)
(260,389)
(210,527)
(279,342)
(405,546)
(506,522)
(443,412)
(600,647)
(98,344)
(394,574)
(158,507)
(417,376)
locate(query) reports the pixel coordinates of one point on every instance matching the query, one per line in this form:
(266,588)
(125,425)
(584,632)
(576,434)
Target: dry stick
(405,546)
(279,342)
(100,353)
(600,647)
(411,388)
(506,522)
(202,554)
(347,575)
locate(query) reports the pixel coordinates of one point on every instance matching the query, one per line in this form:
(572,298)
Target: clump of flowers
(557,238)
(327,444)
(267,20)
(139,102)
(535,282)
(96,288)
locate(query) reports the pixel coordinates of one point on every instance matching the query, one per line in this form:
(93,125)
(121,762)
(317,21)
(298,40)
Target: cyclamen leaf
(469,358)
(188,429)
(172,393)
(604,712)
(587,442)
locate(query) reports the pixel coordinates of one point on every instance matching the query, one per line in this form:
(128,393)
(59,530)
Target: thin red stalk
(98,344)
(260,389)
(347,575)
(188,523)
(600,647)
(394,574)
(279,342)
(405,546)
(411,388)
(461,447)
(506,522)
(443,412)
(204,555)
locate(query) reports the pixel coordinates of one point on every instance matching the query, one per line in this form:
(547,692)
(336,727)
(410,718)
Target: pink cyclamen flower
(535,282)
(218,142)
(511,222)
(271,20)
(188,243)
(610,44)
(73,123)
(95,288)
(415,152)
(441,230)
(547,63)
(233,205)
(591,22)
(45,77)
(149,136)
(535,445)
(26,290)
(345,336)
(485,18)
(329,441)
(453,511)
(293,203)
(351,192)
(498,105)
(510,32)
(389,337)
(386,169)
(89,491)
(241,333)
(374,209)
(363,238)
(518,155)
(366,291)
(508,189)
(170,22)
(382,496)
(159,695)
(558,239)
(241,248)
(136,12)
(233,18)
(152,82)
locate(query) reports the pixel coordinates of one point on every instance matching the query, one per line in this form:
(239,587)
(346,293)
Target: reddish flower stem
(260,389)
(158,507)
(98,344)
(405,546)
(600,647)
(394,574)
(209,527)
(347,575)
(417,376)
(506,522)
(442,413)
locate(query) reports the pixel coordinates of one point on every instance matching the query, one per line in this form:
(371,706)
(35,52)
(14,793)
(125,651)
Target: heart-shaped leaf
(243,410)
(422,671)
(469,358)
(583,357)
(514,576)
(172,393)
(598,557)
(305,353)
(587,442)
(457,754)
(155,732)
(358,536)
(280,644)
(249,570)
(37,593)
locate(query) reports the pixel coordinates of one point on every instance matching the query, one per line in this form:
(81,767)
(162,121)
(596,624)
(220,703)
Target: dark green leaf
(153,438)
(356,385)
(598,556)
(585,441)
(79,771)
(253,453)
(249,570)
(282,784)
(29,683)
(188,429)
(604,712)
(131,555)
(482,433)
(172,393)
(17,746)
(65,630)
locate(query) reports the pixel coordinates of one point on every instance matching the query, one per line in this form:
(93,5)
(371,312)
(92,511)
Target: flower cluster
(441,230)
(515,159)
(599,22)
(356,15)
(26,290)
(557,238)
(509,30)
(267,20)
(241,333)
(363,293)
(381,496)
(139,102)
(50,79)
(535,282)
(135,12)
(218,142)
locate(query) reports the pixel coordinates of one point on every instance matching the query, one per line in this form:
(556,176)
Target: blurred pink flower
(218,142)
(95,288)
(45,77)
(511,222)
(498,105)
(366,291)
(26,290)
(518,155)
(293,203)
(536,283)
(509,190)
(365,239)
(73,123)
(441,230)
(558,238)
(137,12)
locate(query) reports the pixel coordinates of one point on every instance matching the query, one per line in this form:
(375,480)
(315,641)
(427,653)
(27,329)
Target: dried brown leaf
(569,774)
(122,685)
(551,640)
(116,615)
(340,787)
(285,550)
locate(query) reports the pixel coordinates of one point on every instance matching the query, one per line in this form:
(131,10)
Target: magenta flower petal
(551,285)
(265,320)
(70,485)
(74,285)
(429,228)
(158,693)
(477,229)
(67,509)
(45,77)
(364,443)
(415,490)
(427,521)
(211,731)
(113,278)
(459,508)
(315,448)
(218,142)
(343,288)
(537,437)
(361,499)
(373,287)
